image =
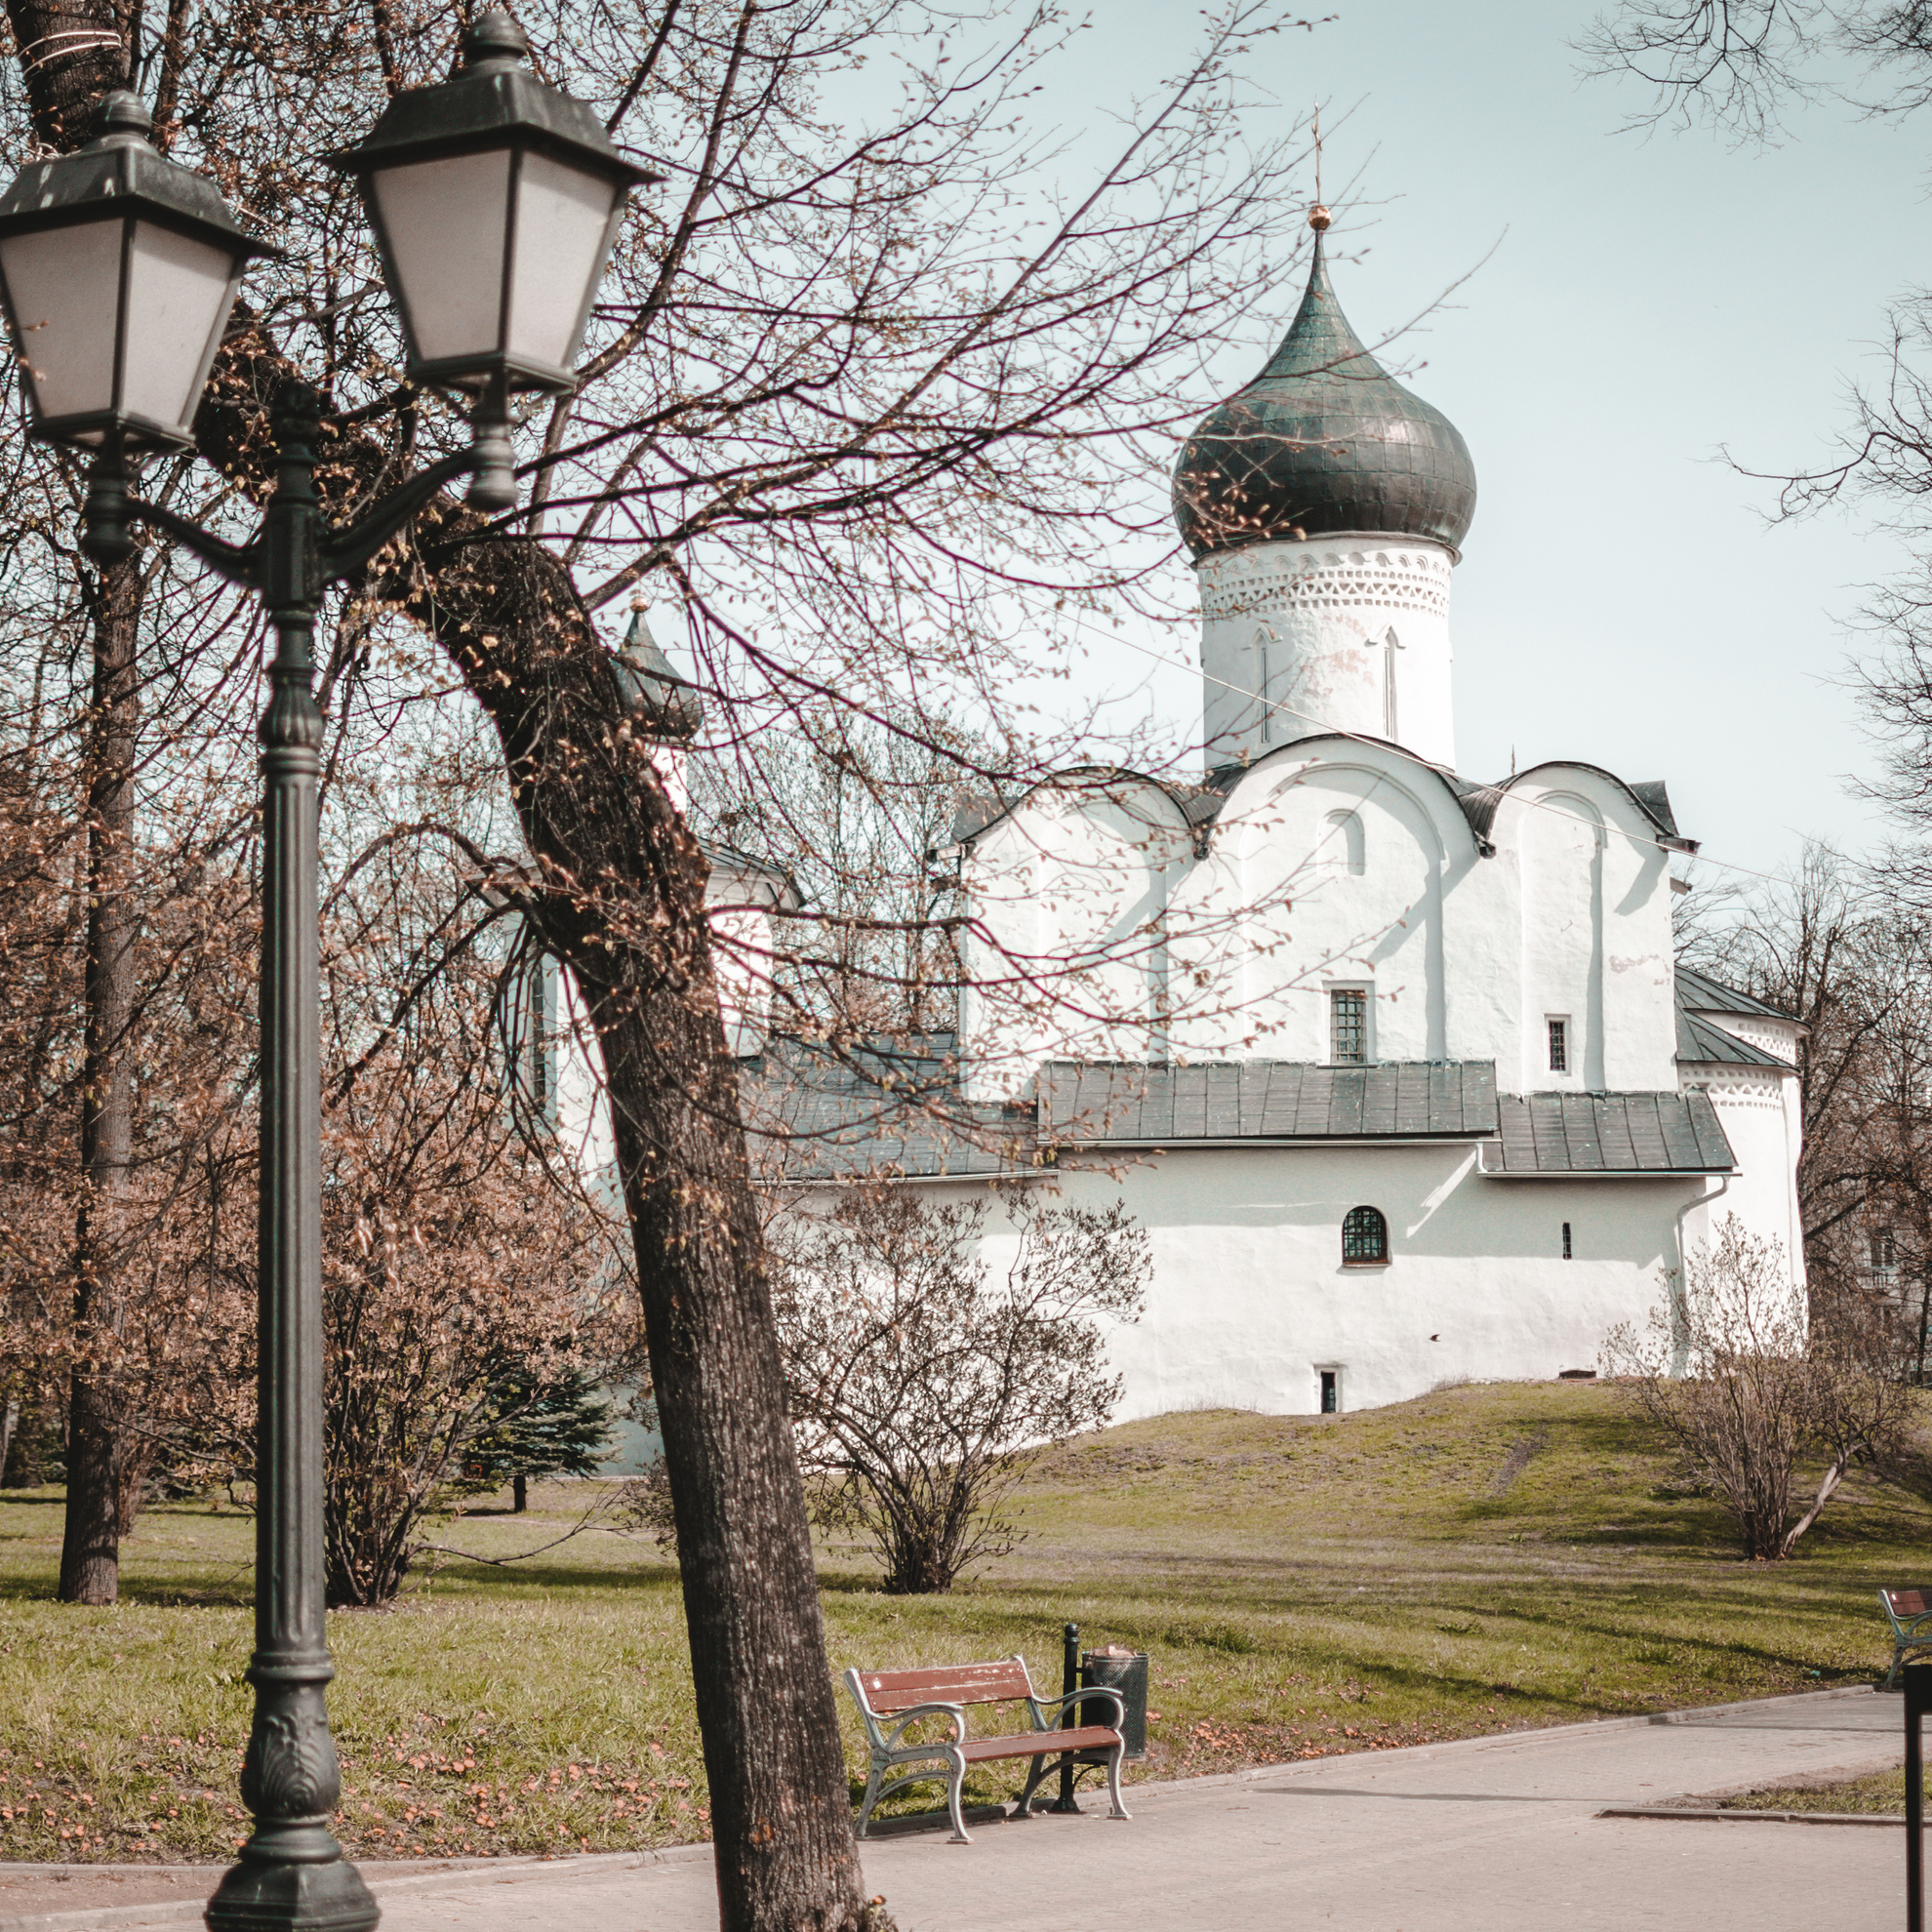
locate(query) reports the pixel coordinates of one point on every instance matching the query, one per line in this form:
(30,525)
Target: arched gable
(1272,926)
(1593,863)
(1435,791)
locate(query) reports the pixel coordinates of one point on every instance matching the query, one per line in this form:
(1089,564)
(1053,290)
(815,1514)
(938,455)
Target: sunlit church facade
(1396,1066)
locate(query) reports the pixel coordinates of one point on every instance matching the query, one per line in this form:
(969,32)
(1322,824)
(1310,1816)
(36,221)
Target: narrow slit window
(539,1043)
(1559,1046)
(1566,1240)
(1364,1237)
(1348,1026)
(1331,1392)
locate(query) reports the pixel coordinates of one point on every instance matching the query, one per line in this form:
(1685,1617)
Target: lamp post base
(273,1893)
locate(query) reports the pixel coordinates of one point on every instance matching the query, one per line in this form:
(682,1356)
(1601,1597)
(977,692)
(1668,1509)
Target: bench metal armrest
(896,1730)
(1906,1629)
(1042,1705)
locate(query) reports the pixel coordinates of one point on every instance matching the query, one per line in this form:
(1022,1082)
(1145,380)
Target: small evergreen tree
(540,1428)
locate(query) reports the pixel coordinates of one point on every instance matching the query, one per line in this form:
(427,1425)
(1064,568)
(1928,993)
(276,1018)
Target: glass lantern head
(494,201)
(118,268)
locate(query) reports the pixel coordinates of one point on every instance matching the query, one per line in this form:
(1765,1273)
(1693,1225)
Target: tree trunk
(780,1808)
(520,1493)
(624,905)
(71,52)
(90,1550)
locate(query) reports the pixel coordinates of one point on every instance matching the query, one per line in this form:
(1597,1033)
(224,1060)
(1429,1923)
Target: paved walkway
(1493,1834)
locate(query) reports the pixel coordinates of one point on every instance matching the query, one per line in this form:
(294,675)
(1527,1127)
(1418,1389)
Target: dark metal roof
(1608,1134)
(814,1114)
(1126,1101)
(1324,440)
(1655,798)
(1704,994)
(663,705)
(1699,1042)
(818,1115)
(1481,802)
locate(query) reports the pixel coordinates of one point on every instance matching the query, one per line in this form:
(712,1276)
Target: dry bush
(923,1379)
(1747,1386)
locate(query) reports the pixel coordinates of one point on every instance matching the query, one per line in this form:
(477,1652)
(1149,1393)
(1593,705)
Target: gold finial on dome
(1319,217)
(638,601)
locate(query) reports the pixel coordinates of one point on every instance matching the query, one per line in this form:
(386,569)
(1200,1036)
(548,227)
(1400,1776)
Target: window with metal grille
(1559,1046)
(1566,1240)
(539,1044)
(1364,1237)
(1331,1392)
(1348,1027)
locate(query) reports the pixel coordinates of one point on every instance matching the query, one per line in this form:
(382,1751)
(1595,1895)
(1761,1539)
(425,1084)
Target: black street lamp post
(495,200)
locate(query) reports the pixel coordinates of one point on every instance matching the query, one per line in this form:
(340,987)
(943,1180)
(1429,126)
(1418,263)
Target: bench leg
(956,1780)
(871,1798)
(1898,1658)
(1113,1779)
(1035,1776)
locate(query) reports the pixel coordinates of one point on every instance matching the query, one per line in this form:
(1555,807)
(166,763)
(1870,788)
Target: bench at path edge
(1910,1614)
(891,1702)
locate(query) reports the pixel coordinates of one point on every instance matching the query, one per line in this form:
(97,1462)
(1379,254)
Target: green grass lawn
(1482,1558)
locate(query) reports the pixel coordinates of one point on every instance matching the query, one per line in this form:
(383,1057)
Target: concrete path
(1492,1834)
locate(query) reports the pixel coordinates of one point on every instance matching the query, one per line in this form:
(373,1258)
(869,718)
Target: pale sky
(1622,599)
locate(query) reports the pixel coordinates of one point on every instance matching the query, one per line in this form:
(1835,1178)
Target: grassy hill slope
(1482,1558)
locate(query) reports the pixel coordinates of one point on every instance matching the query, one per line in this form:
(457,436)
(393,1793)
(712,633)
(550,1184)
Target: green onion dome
(1324,440)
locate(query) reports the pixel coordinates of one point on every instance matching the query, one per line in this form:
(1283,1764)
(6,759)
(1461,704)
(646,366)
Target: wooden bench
(893,1701)
(1910,1614)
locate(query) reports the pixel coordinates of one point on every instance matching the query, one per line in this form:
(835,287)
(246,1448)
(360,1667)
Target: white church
(1395,1068)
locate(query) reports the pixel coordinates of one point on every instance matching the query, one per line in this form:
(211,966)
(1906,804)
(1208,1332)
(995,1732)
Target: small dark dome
(649,691)
(1324,440)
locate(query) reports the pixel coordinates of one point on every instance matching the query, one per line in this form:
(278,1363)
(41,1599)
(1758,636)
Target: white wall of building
(1331,864)
(1250,1297)
(1332,633)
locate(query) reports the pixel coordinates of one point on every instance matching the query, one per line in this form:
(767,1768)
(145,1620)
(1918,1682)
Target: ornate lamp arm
(110,511)
(346,550)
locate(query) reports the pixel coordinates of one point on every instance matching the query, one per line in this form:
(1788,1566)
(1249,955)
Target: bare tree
(1734,1374)
(925,1376)
(1735,64)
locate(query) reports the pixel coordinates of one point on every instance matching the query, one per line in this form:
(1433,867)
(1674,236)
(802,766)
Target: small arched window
(1343,846)
(1364,1237)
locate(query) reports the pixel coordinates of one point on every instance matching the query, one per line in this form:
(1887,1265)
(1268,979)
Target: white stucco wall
(1592,913)
(1334,633)
(1331,864)
(1759,1110)
(1250,1299)
(1068,957)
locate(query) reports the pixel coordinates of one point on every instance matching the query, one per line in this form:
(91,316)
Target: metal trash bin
(1126,1671)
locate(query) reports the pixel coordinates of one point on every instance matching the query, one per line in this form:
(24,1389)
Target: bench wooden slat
(1036,1744)
(954,1683)
(1908,1602)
